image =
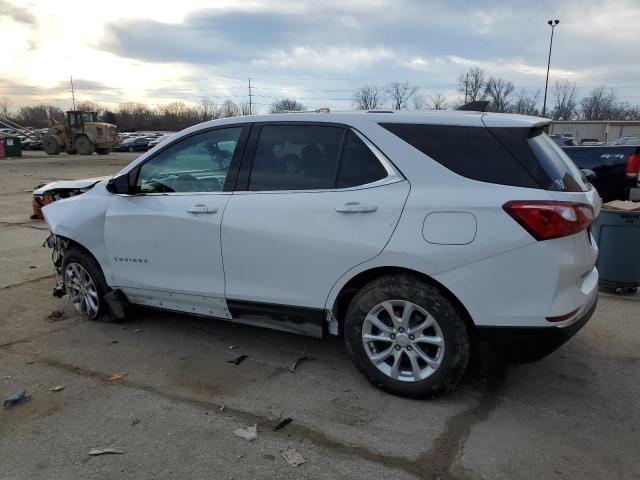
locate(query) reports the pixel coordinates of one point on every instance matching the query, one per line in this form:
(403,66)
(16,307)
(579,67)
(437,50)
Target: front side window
(199,163)
(311,157)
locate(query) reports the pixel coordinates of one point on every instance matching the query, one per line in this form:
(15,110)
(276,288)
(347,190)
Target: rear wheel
(407,337)
(51,145)
(84,146)
(85,285)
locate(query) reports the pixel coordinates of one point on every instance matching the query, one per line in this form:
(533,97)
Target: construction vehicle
(82,134)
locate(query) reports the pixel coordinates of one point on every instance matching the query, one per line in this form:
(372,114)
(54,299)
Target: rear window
(517,157)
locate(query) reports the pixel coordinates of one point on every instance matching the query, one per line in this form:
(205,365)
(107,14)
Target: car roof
(435,117)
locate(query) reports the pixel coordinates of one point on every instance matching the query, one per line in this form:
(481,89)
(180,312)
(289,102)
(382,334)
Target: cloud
(17,13)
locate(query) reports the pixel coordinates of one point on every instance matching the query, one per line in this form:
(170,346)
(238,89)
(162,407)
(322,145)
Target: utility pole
(73,95)
(250,102)
(553,24)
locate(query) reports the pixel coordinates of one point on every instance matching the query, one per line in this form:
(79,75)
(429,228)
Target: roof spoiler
(479,106)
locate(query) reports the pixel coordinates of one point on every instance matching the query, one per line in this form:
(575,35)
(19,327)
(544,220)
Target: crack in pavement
(426,464)
(440,459)
(26,282)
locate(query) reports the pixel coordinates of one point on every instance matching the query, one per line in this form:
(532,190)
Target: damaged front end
(47,193)
(58,245)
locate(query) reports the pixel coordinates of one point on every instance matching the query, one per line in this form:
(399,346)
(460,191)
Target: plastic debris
(282,424)
(221,408)
(249,433)
(137,330)
(294,364)
(238,359)
(293,458)
(16,399)
(57,388)
(116,376)
(231,347)
(107,450)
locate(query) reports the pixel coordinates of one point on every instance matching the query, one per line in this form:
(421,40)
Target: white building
(596,130)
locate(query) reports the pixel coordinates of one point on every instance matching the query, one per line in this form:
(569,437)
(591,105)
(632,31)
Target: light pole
(553,24)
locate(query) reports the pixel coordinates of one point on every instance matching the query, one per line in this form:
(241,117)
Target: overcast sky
(316,51)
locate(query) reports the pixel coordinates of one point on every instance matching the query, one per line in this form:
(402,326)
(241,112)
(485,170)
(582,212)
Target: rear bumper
(529,344)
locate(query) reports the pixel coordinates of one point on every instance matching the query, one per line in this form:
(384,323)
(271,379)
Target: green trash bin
(617,233)
(12,146)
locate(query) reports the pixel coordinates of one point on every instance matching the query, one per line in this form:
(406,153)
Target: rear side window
(472,152)
(311,157)
(359,165)
(563,173)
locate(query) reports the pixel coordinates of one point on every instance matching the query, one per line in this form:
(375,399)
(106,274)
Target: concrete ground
(573,415)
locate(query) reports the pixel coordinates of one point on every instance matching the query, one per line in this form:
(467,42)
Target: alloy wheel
(403,340)
(82,290)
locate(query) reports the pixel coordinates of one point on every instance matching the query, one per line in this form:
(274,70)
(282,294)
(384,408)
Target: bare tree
(89,106)
(525,104)
(564,93)
(245,108)
(38,115)
(433,102)
(600,104)
(286,104)
(399,94)
(498,92)
(228,109)
(208,109)
(473,85)
(368,97)
(5,106)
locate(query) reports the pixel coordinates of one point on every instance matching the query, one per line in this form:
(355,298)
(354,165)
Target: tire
(50,145)
(449,330)
(84,146)
(103,151)
(77,260)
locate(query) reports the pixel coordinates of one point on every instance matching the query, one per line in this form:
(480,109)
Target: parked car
(412,235)
(132,144)
(158,140)
(631,140)
(615,168)
(563,141)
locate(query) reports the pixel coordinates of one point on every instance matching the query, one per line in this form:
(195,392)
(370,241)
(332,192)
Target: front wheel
(407,337)
(85,285)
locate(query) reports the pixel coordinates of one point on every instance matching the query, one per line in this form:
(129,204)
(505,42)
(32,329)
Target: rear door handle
(201,208)
(355,207)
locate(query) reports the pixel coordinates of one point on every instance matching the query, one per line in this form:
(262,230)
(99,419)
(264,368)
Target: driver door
(164,241)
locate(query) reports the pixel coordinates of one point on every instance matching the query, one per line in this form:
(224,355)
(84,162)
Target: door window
(199,163)
(311,157)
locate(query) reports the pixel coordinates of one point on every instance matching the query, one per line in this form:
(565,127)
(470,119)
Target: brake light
(633,165)
(562,318)
(549,219)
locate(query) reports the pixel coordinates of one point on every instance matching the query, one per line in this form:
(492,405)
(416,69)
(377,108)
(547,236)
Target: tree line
(563,103)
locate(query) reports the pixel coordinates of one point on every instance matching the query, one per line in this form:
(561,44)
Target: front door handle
(355,207)
(201,208)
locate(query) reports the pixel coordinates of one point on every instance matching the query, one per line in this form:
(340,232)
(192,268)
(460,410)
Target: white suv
(413,235)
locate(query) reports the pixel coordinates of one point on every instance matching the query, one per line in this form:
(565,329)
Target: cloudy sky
(316,51)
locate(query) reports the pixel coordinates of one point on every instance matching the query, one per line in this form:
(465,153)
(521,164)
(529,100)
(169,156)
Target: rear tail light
(633,165)
(562,318)
(548,219)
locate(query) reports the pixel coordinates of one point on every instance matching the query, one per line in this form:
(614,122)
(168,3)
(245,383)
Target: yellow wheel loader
(82,134)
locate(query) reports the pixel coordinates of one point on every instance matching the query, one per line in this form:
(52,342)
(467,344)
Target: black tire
(79,256)
(50,145)
(131,150)
(103,151)
(84,146)
(448,316)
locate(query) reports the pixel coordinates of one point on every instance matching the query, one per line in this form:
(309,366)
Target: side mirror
(590,175)
(119,184)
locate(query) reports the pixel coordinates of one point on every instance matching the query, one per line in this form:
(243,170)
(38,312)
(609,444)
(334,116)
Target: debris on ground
(16,399)
(138,330)
(29,362)
(116,376)
(107,450)
(238,360)
(292,457)
(55,315)
(282,424)
(221,408)
(268,456)
(294,364)
(249,433)
(231,347)
(135,422)
(57,388)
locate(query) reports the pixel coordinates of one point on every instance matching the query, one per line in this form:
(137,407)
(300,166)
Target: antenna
(73,95)
(250,95)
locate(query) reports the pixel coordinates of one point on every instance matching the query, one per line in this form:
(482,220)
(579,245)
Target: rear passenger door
(313,201)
